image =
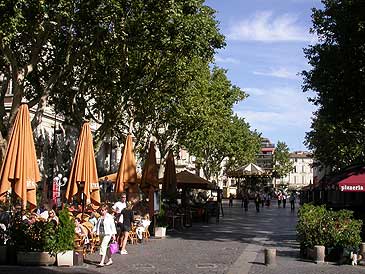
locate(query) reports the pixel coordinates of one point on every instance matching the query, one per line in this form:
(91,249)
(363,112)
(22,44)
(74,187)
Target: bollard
(319,254)
(270,256)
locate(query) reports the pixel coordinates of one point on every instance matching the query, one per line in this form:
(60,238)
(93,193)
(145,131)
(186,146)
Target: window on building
(303,179)
(295,169)
(303,169)
(295,179)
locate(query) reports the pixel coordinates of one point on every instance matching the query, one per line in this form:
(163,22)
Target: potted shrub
(161,223)
(336,230)
(346,235)
(63,242)
(313,228)
(33,242)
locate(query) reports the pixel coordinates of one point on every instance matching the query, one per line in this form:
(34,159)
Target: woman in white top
(105,228)
(143,225)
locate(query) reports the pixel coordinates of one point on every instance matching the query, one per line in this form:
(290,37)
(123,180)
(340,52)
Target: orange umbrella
(149,180)
(20,170)
(84,170)
(127,168)
(150,169)
(169,178)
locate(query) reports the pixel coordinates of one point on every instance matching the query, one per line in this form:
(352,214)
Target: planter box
(307,253)
(160,232)
(311,253)
(65,258)
(3,254)
(78,258)
(35,258)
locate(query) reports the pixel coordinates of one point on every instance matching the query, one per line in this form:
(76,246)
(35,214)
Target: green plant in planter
(314,226)
(38,236)
(346,230)
(161,218)
(64,234)
(336,230)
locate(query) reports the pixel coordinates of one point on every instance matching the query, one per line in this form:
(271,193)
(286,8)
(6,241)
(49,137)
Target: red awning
(353,183)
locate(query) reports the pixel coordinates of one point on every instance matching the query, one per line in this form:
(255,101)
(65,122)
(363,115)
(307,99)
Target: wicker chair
(132,236)
(146,234)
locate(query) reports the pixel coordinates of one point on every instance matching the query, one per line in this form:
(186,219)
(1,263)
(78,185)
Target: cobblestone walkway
(235,245)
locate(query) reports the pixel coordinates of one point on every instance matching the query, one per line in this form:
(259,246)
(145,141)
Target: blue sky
(263,56)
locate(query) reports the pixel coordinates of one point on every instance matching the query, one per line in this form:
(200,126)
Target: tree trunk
(3,146)
(38,117)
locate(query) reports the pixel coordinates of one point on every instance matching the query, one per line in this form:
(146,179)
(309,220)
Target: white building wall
(302,174)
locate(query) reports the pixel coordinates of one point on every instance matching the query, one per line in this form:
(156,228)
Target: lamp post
(160,194)
(58,182)
(54,154)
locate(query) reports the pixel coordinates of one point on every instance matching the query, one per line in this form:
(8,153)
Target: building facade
(302,173)
(265,159)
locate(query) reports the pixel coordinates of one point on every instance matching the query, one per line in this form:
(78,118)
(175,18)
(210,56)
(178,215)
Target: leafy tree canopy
(218,134)
(337,77)
(282,163)
(113,62)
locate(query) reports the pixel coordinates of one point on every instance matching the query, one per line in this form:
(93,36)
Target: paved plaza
(235,245)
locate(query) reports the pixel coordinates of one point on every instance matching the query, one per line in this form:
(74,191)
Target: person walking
(284,200)
(127,214)
(268,199)
(245,201)
(280,197)
(219,200)
(292,201)
(263,198)
(257,202)
(118,217)
(105,228)
(230,204)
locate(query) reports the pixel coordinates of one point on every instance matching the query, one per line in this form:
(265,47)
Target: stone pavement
(235,245)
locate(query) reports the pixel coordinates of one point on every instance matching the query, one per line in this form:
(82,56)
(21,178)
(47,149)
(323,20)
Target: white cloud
(279,72)
(227,60)
(255,91)
(276,108)
(265,27)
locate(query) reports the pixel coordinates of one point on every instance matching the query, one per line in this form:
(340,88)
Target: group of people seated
(110,223)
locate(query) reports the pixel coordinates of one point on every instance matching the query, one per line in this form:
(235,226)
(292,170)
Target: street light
(58,182)
(160,194)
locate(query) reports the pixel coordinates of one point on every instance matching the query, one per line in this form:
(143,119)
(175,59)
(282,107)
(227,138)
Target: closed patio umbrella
(169,178)
(150,169)
(83,170)
(19,170)
(149,182)
(127,173)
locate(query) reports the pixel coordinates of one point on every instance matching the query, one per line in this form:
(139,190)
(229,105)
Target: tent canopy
(185,179)
(350,180)
(110,177)
(113,178)
(248,170)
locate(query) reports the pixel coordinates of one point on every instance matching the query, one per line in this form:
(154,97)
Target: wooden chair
(132,236)
(79,245)
(94,240)
(146,234)
(83,217)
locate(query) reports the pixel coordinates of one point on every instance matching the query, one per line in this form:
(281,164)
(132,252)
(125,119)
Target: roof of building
(267,149)
(300,154)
